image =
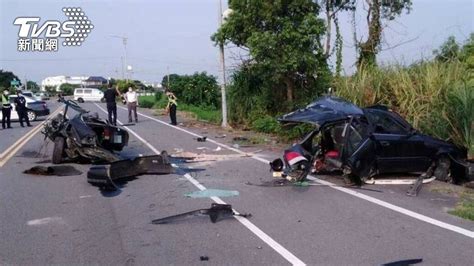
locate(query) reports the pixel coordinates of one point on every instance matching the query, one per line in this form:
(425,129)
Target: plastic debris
(207,193)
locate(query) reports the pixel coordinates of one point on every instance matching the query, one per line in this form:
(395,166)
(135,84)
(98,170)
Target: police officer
(171,107)
(20,106)
(6,110)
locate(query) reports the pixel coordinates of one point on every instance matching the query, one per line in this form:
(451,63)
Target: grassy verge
(465,207)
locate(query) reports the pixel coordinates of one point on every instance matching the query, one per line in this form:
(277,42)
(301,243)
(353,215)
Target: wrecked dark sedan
(364,142)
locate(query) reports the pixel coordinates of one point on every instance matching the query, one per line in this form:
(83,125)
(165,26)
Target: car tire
(58,150)
(80,100)
(31,116)
(102,100)
(442,171)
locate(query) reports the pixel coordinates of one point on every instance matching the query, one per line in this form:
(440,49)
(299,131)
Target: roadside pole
(222,61)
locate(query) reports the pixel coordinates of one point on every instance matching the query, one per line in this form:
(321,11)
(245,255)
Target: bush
(266,124)
(146,101)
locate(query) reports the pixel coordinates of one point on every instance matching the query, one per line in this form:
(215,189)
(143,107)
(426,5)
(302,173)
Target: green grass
(146,101)
(465,207)
(202,113)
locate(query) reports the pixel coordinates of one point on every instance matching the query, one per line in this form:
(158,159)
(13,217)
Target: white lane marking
(85,196)
(47,220)
(244,221)
(13,149)
(359,195)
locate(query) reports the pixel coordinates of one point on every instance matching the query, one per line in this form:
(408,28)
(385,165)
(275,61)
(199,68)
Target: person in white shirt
(131,97)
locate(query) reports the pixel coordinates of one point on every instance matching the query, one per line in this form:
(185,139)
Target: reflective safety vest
(5,102)
(172,100)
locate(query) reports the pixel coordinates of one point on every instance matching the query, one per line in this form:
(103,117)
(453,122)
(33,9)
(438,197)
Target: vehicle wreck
(83,137)
(365,142)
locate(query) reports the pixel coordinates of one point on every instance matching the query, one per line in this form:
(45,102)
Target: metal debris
(104,175)
(216,213)
(61,170)
(403,262)
(201,139)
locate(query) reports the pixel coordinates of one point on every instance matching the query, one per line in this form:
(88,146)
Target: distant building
(57,81)
(94,81)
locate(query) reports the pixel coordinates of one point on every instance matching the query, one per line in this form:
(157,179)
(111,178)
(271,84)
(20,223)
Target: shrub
(266,124)
(146,101)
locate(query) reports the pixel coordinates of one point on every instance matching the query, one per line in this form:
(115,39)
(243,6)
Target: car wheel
(442,171)
(102,100)
(31,116)
(80,100)
(58,150)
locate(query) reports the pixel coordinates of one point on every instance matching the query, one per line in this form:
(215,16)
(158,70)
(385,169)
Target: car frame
(364,142)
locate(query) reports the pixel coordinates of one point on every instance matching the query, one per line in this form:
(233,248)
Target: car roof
(323,110)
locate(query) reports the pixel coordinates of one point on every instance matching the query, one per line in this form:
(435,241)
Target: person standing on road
(21,109)
(110,98)
(131,97)
(6,110)
(171,107)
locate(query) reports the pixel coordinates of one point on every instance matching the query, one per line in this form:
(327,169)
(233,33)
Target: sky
(174,36)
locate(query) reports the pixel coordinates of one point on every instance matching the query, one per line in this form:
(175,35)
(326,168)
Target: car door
(398,147)
(359,147)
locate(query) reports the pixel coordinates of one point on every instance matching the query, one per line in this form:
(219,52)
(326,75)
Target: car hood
(322,110)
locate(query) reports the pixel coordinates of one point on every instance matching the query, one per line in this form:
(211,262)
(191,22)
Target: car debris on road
(216,213)
(365,142)
(104,176)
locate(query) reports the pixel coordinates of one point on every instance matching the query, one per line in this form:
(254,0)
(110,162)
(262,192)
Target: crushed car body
(364,142)
(84,136)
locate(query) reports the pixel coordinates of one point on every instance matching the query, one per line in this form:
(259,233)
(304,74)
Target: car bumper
(42,112)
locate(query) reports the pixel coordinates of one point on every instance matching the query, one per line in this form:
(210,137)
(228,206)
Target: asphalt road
(64,220)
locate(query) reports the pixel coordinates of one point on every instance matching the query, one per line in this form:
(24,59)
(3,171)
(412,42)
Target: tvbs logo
(73,31)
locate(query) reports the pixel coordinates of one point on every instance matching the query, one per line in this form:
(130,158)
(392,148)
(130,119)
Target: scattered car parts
(59,170)
(104,176)
(216,213)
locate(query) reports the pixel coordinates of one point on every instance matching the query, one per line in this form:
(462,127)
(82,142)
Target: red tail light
(106,134)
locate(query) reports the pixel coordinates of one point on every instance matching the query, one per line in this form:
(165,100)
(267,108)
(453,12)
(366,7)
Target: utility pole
(168,77)
(222,60)
(124,41)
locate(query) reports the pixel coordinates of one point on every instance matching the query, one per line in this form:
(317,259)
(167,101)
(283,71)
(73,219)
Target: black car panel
(323,110)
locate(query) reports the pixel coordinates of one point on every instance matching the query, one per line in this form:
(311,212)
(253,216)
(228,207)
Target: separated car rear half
(366,142)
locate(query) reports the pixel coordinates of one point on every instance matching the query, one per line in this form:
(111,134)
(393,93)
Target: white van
(88,94)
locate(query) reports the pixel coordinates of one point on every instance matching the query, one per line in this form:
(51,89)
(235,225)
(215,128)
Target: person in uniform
(6,110)
(171,107)
(21,109)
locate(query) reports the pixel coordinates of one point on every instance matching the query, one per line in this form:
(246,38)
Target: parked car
(35,108)
(42,96)
(364,142)
(88,94)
